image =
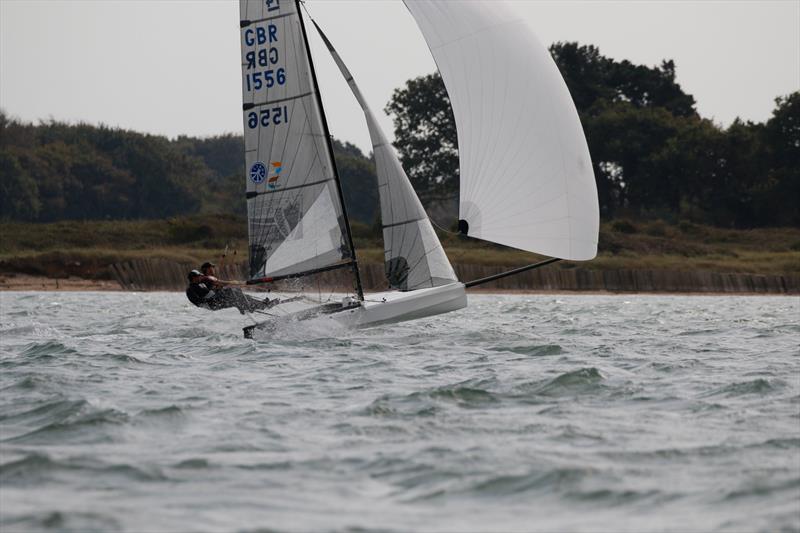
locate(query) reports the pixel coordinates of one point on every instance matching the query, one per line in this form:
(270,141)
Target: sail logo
(258,172)
(275,174)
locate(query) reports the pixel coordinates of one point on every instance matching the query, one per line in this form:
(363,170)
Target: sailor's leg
(233,297)
(223,299)
(243,302)
(255,303)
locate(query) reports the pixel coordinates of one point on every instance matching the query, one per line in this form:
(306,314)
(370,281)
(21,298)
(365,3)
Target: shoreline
(10,282)
(27,282)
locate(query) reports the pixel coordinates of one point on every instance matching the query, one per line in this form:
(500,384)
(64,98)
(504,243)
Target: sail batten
(278,100)
(413,256)
(254,194)
(519,135)
(296,218)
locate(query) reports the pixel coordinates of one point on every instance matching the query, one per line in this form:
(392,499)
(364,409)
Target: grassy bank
(86,249)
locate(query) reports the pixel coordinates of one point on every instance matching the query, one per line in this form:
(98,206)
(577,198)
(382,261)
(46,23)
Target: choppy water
(137,412)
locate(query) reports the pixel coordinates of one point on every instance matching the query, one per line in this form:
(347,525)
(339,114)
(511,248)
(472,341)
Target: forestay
(294,209)
(526,176)
(414,258)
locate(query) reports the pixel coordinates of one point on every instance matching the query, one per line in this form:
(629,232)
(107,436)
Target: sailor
(205,290)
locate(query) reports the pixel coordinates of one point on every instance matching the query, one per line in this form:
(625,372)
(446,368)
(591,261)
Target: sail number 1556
(268,78)
(268,117)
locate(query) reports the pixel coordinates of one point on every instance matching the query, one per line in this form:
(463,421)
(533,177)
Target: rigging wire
(432,221)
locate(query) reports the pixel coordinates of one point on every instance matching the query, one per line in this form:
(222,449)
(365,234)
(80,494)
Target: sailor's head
(194,274)
(208,268)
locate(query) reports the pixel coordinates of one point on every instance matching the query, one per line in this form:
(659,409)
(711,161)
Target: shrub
(623,226)
(657,228)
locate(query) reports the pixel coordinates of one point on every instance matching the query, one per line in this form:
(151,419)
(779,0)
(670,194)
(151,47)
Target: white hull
(381,308)
(395,306)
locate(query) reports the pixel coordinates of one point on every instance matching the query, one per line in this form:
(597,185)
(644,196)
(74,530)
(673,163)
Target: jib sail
(413,255)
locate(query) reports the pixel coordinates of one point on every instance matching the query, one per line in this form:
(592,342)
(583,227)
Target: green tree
(776,197)
(610,96)
(19,195)
(359,183)
(425,136)
(591,76)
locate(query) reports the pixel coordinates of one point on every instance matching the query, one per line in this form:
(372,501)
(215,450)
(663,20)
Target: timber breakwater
(157,274)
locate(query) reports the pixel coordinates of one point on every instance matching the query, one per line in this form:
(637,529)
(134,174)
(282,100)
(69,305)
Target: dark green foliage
(778,196)
(653,156)
(425,135)
(592,77)
(623,226)
(19,195)
(84,172)
(56,171)
(359,184)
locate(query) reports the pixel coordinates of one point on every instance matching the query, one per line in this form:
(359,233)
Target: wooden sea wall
(579,279)
(163,275)
(157,274)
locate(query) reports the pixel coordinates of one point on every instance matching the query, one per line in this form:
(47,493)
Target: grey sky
(172,67)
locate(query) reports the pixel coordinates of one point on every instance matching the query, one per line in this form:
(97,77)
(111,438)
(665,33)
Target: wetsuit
(197,293)
(202,294)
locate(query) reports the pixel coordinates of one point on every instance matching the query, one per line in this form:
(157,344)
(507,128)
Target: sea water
(138,412)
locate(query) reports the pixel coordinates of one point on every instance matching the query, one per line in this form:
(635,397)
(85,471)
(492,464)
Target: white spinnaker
(290,173)
(413,256)
(526,176)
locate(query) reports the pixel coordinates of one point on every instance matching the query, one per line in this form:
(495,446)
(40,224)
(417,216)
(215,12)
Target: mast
(356,272)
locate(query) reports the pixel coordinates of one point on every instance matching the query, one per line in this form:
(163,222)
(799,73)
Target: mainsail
(413,256)
(296,218)
(526,176)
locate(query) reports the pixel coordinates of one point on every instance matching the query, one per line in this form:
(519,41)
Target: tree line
(653,155)
(56,171)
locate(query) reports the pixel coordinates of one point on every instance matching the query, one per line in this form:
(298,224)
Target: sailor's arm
(218,283)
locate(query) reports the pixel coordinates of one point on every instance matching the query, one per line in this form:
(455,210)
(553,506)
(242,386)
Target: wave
(50,412)
(429,402)
(76,427)
(761,489)
(536,350)
(46,350)
(617,497)
(506,485)
(27,383)
(758,386)
(387,406)
(193,463)
(62,521)
(779,444)
(583,380)
(569,482)
(171,411)
(36,468)
(123,358)
(463,395)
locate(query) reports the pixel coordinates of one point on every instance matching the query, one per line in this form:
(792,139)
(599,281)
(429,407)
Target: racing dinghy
(526,177)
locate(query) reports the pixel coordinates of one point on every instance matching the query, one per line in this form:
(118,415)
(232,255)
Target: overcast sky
(172,67)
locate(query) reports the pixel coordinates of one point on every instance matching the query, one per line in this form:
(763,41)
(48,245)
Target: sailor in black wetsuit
(211,293)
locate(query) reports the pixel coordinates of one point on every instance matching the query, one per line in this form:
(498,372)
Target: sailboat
(526,178)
